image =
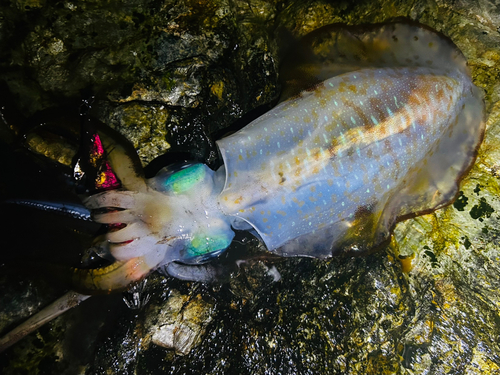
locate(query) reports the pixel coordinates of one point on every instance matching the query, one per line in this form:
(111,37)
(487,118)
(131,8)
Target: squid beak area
(113,278)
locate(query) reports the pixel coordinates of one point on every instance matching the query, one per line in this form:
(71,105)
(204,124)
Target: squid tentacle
(114,217)
(111,198)
(115,277)
(131,231)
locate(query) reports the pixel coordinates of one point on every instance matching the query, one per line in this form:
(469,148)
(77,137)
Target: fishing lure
(389,128)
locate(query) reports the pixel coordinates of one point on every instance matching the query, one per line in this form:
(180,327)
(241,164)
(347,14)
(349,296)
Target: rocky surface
(171,76)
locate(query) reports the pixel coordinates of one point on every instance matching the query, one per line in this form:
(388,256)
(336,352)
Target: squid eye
(204,247)
(178,179)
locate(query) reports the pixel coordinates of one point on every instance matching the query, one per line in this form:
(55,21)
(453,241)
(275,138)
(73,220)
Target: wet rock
(188,59)
(174,74)
(181,323)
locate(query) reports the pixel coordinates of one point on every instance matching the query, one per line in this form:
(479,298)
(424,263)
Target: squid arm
(117,276)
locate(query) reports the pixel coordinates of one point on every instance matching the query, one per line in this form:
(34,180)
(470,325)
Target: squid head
(151,223)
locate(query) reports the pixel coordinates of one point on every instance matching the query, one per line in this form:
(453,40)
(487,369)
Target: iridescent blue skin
(332,169)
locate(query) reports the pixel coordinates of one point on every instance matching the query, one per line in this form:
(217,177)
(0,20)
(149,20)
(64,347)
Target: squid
(390,123)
